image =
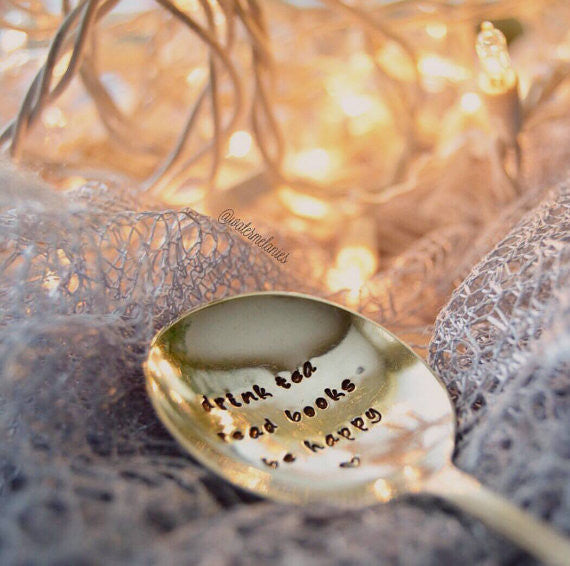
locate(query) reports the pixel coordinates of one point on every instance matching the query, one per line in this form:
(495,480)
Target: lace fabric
(90,476)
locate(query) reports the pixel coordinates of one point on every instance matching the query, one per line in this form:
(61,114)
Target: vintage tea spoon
(300,400)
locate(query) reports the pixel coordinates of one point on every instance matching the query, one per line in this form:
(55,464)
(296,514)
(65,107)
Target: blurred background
(377,141)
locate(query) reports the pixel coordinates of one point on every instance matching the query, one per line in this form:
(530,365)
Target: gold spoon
(300,400)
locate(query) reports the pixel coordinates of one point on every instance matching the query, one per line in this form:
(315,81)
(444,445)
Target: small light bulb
(303,205)
(240,144)
(436,30)
(316,163)
(470,102)
(497,73)
(53,117)
(197,76)
(354,105)
(383,490)
(356,259)
(11,40)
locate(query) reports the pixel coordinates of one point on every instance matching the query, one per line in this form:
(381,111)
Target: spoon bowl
(300,400)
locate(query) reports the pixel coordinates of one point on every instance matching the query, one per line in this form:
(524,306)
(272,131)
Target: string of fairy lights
(337,108)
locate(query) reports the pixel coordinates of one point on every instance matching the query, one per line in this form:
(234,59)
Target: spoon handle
(533,535)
